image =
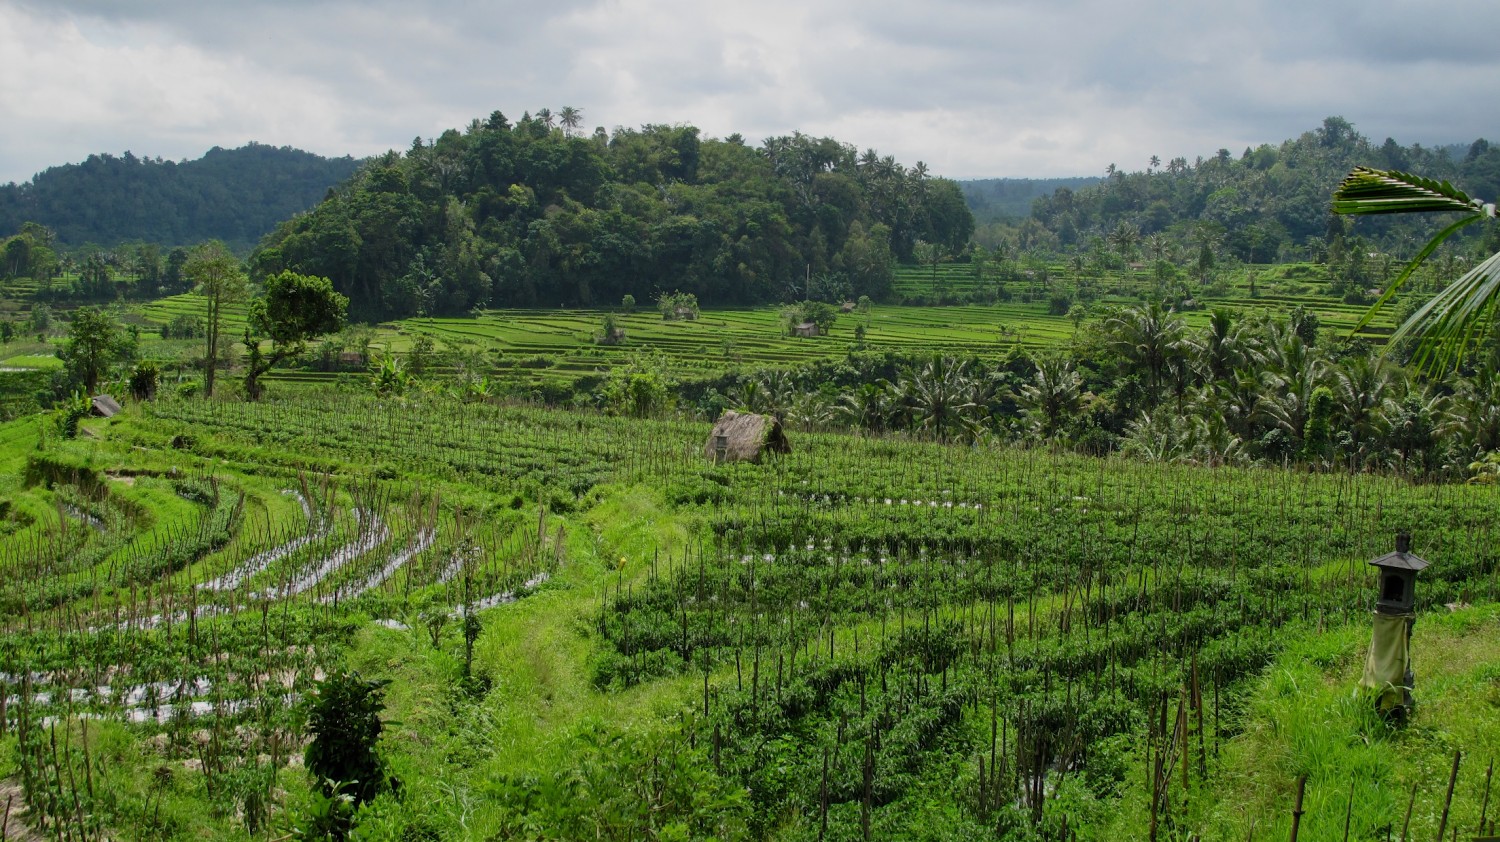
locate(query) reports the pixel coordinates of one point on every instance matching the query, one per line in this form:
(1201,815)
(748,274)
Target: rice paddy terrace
(867,635)
(532,347)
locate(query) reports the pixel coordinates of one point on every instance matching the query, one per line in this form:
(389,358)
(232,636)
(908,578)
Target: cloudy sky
(975,88)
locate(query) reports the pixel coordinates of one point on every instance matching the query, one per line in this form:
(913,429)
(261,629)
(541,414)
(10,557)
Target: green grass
(1306,716)
(41,361)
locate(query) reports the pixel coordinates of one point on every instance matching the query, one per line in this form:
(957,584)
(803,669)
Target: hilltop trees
(524,215)
(111,200)
(1267,204)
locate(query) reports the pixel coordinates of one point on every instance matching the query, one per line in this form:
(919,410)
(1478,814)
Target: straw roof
(746,437)
(104,405)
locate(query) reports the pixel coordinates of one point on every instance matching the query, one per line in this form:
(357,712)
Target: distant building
(805,329)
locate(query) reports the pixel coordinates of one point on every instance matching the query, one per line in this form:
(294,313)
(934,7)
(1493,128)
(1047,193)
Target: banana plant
(1461,312)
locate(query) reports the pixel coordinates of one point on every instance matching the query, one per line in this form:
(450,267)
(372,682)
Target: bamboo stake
(1406,824)
(1484,808)
(1448,800)
(1297,810)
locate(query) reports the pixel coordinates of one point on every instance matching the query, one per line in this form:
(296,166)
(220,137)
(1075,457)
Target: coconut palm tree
(1146,336)
(939,397)
(1473,416)
(1051,396)
(570,118)
(1124,239)
(1360,389)
(867,407)
(1222,346)
(1445,326)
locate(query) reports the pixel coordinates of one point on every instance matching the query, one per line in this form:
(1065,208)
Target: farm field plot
(589,629)
(532,347)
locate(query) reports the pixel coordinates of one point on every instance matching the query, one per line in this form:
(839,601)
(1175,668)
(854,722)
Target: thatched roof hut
(806,329)
(104,406)
(744,436)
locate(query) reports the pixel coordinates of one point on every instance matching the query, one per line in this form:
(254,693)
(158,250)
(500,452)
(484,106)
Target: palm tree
(1051,396)
(571,118)
(1222,346)
(1474,413)
(1360,389)
(1450,321)
(930,254)
(1293,371)
(1146,336)
(868,407)
(939,397)
(1124,239)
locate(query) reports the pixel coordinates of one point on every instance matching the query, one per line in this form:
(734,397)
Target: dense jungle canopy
(529,214)
(234,195)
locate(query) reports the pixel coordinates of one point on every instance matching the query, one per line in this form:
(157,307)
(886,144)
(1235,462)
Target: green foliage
(72,412)
(343,718)
(676,306)
(1453,320)
(144,379)
(294,309)
(623,786)
(389,376)
(110,200)
(641,389)
(523,216)
(95,345)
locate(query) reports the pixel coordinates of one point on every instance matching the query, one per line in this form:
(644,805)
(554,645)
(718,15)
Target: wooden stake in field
(1297,810)
(1448,800)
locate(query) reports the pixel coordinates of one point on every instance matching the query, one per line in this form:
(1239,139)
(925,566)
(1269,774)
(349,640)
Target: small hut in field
(744,436)
(807,330)
(104,406)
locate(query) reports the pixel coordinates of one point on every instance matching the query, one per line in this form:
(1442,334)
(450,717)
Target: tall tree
(215,274)
(571,118)
(94,345)
(295,308)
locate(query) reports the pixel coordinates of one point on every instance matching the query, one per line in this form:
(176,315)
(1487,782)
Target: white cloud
(973,87)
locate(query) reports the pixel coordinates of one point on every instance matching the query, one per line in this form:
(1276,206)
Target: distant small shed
(805,329)
(687,314)
(104,406)
(744,436)
(847,307)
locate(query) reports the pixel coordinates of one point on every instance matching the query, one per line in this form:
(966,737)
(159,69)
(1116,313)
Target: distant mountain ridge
(235,195)
(1000,199)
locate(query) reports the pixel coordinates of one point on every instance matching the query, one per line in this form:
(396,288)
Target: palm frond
(1370,191)
(1446,324)
(1395,286)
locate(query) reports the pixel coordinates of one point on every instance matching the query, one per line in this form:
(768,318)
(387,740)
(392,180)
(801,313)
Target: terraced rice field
(533,347)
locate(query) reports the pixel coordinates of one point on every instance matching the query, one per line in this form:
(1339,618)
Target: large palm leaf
(1445,325)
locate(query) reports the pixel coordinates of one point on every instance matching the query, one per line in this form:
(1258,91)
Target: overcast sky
(976,88)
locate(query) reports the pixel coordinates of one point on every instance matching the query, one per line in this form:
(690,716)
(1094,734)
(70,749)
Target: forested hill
(1266,203)
(530,214)
(996,199)
(234,195)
